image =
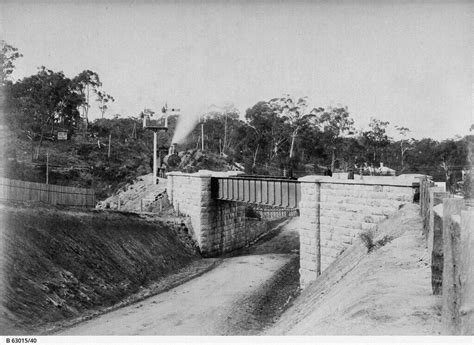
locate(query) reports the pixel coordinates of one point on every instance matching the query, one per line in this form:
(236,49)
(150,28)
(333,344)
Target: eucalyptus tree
(376,138)
(86,82)
(406,143)
(267,132)
(103,99)
(8,55)
(335,124)
(294,113)
(41,102)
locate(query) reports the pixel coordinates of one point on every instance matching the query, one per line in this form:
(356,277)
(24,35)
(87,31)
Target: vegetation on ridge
(280,136)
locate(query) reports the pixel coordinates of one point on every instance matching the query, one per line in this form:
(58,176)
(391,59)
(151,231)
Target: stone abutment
(218,226)
(334,212)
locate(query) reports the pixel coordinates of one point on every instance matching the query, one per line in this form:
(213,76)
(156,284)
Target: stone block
(368,226)
(310,250)
(304,240)
(306,277)
(328,226)
(309,265)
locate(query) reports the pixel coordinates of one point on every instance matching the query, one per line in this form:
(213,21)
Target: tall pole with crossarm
(155,126)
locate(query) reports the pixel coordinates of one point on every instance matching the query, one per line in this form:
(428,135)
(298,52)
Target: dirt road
(240,296)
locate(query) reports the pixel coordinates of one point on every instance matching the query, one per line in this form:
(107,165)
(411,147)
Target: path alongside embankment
(384,292)
(243,294)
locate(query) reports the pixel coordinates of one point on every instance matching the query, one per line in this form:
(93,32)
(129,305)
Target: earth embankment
(57,263)
(380,286)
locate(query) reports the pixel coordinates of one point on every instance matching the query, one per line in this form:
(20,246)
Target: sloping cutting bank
(386,291)
(57,263)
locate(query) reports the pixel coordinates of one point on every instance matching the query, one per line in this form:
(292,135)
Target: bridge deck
(260,191)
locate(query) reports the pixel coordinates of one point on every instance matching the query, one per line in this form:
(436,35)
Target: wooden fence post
(451,250)
(466,270)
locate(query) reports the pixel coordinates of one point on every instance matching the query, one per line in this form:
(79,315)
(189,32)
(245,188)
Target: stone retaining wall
(218,226)
(335,212)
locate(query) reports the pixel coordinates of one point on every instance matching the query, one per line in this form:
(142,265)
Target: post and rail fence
(24,191)
(270,213)
(448,227)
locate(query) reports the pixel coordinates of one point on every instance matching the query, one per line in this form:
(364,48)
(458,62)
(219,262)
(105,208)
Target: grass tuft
(367,238)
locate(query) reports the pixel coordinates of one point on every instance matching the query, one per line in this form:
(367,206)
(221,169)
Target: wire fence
(15,190)
(270,213)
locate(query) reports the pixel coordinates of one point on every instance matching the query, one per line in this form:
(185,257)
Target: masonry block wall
(218,226)
(335,212)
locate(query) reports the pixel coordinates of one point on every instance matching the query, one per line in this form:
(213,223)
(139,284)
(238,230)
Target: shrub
(251,213)
(368,240)
(383,241)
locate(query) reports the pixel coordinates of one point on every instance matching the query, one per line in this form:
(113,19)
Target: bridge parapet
(274,192)
(334,212)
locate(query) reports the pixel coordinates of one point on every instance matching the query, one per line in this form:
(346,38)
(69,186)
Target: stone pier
(218,226)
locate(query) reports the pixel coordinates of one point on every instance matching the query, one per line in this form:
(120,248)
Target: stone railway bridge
(333,212)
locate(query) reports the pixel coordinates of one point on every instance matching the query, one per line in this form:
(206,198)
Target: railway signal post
(155,126)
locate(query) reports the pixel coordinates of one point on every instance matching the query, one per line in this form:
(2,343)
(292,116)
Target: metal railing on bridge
(269,191)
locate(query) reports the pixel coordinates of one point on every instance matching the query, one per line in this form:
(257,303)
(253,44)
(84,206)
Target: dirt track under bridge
(244,294)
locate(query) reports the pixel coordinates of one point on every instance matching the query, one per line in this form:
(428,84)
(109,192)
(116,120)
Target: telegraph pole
(47,167)
(108,152)
(155,167)
(202,136)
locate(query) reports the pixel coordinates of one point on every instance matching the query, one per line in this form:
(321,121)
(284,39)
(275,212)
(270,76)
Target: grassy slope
(57,263)
(77,162)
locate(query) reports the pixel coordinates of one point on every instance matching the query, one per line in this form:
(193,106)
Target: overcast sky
(406,62)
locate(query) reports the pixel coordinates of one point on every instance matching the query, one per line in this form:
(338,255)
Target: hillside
(78,162)
(84,161)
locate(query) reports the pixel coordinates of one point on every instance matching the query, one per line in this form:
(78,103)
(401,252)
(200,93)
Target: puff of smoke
(187,123)
(184,126)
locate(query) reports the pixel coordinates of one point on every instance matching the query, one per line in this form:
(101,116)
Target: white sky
(406,62)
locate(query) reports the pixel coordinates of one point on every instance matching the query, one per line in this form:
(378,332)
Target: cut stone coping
(402,180)
(367,180)
(206,173)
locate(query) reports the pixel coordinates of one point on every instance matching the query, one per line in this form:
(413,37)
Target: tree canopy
(282,135)
(8,55)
